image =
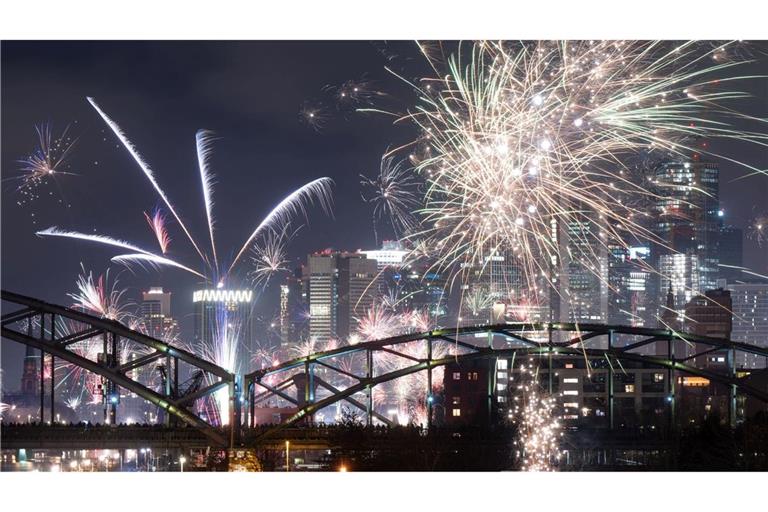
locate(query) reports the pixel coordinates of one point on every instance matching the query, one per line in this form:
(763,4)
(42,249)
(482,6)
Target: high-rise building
(750,320)
(390,255)
(156,313)
(341,288)
(357,290)
(709,315)
(688,224)
(223,321)
(731,253)
(323,280)
(628,283)
(581,293)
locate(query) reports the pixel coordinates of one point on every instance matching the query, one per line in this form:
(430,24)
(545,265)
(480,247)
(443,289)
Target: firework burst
(99,296)
(49,160)
(393,194)
(758,229)
(269,256)
(520,142)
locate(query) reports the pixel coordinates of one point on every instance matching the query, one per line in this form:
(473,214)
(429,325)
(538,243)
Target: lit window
(571,380)
(456,376)
(571,392)
(629,388)
(501,364)
(456,400)
(574,405)
(569,365)
(456,412)
(502,399)
(658,377)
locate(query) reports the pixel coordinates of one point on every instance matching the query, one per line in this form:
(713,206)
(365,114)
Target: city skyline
(576,203)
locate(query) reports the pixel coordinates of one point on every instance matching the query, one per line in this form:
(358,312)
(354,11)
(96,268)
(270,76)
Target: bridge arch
(33,322)
(524,345)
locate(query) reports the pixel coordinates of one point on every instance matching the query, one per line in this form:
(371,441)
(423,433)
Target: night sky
(250,94)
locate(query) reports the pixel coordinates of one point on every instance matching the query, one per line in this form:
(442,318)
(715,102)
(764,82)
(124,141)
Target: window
(501,364)
(658,377)
(456,413)
(571,380)
(501,387)
(571,392)
(456,376)
(629,388)
(471,375)
(569,365)
(502,399)
(456,400)
(574,405)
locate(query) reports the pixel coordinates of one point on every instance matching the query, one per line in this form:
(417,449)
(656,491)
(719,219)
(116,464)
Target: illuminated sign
(230,296)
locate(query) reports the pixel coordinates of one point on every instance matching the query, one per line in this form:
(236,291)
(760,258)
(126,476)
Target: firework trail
(225,349)
(538,437)
(393,194)
(520,141)
(157,223)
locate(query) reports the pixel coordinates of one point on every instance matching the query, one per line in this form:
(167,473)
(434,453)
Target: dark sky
(250,94)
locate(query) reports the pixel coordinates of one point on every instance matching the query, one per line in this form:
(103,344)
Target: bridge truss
(351,373)
(63,333)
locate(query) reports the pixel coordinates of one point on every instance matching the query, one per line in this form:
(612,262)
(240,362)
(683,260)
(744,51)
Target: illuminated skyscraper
(750,320)
(156,313)
(628,283)
(223,323)
(341,288)
(688,224)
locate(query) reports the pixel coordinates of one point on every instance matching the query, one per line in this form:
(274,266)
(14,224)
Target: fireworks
(538,426)
(99,297)
(313,115)
(520,142)
(393,194)
(269,257)
(47,161)
(157,225)
(758,229)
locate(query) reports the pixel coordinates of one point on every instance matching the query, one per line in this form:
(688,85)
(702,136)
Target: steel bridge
(297,382)
(351,373)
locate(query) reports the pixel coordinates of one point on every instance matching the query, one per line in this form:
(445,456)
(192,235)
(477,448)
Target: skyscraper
(323,276)
(581,292)
(731,253)
(688,224)
(156,313)
(341,288)
(628,284)
(357,290)
(223,324)
(750,320)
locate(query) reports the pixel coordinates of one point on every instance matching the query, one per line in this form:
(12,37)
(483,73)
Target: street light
(182,460)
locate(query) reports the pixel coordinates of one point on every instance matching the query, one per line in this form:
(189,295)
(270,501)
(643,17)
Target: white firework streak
(292,204)
(144,255)
(204,141)
(144,167)
(153,260)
